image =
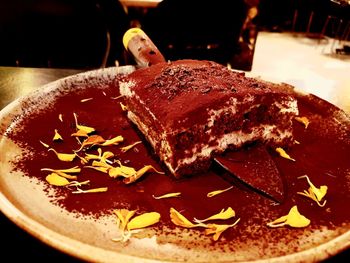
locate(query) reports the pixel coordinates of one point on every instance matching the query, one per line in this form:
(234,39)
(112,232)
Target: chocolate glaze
(322,154)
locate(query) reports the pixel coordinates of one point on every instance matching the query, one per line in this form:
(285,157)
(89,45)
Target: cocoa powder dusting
(323,157)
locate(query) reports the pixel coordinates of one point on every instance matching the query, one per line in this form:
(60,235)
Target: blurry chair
(324,18)
(197,29)
(61,33)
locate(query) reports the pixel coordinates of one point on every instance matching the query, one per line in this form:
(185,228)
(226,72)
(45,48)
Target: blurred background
(87,34)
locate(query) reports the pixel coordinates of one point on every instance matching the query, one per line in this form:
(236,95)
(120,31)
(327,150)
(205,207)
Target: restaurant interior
(88,33)
(305,43)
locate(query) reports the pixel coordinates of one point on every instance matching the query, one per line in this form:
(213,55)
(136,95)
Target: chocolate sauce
(323,155)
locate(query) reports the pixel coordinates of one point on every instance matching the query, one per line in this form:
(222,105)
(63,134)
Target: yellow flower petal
(44,144)
(65,172)
(94,190)
(293,219)
(57,136)
(222,215)
(124,108)
(91,141)
(55,179)
(169,195)
(140,173)
(217,192)
(124,216)
(106,155)
(65,157)
(283,154)
(82,128)
(76,183)
(144,220)
(80,133)
(114,141)
(101,164)
(179,220)
(303,120)
(85,100)
(122,170)
(217,230)
(127,148)
(117,98)
(314,193)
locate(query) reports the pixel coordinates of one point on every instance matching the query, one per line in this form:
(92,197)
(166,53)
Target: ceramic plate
(41,209)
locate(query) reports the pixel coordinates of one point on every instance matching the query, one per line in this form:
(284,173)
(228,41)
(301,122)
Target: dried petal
(293,219)
(91,141)
(214,193)
(169,195)
(140,173)
(80,133)
(44,144)
(65,172)
(105,156)
(94,190)
(89,157)
(314,193)
(76,183)
(55,179)
(127,148)
(303,120)
(144,220)
(102,164)
(122,170)
(73,170)
(114,141)
(124,216)
(85,100)
(65,157)
(82,160)
(116,98)
(102,157)
(82,128)
(217,230)
(124,108)
(179,220)
(57,136)
(283,154)
(222,215)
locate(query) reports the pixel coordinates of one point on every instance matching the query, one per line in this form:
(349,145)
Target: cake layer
(190,110)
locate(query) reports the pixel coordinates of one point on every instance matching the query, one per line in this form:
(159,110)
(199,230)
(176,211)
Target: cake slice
(190,110)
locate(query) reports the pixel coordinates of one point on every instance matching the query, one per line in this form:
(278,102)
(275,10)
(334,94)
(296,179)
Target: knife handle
(142,48)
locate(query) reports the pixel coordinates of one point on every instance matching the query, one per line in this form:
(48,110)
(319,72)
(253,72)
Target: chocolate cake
(190,110)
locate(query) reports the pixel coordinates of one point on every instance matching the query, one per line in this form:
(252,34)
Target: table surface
(16,82)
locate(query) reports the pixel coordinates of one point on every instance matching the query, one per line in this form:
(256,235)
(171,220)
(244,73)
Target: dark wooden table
(16,243)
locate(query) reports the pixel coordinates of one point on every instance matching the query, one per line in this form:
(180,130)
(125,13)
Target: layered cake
(191,110)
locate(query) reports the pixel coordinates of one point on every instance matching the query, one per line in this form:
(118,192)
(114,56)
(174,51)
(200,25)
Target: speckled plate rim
(81,250)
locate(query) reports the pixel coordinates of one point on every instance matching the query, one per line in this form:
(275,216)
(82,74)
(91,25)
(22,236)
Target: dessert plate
(84,225)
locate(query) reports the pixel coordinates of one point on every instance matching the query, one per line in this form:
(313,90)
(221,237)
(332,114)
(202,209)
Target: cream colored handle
(142,48)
